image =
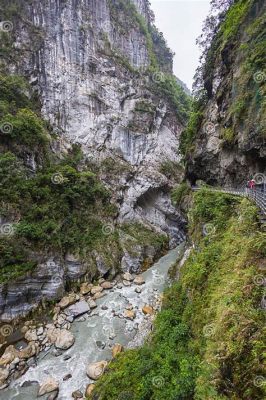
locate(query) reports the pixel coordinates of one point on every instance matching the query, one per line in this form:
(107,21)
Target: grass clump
(208,338)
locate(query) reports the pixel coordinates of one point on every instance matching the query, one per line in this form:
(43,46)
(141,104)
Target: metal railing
(257,194)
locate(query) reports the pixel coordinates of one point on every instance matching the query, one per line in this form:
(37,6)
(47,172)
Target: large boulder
(85,288)
(139,280)
(9,355)
(95,370)
(67,301)
(96,289)
(107,285)
(78,308)
(48,386)
(128,277)
(64,340)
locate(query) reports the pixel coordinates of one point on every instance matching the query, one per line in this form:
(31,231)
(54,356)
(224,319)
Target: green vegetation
(166,84)
(172,170)
(179,192)
(189,133)
(228,136)
(234,17)
(145,107)
(208,339)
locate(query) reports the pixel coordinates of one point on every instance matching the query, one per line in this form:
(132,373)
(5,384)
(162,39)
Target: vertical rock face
(86,65)
(230,144)
(91,63)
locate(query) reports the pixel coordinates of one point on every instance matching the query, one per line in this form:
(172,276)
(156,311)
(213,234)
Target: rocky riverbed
(63,358)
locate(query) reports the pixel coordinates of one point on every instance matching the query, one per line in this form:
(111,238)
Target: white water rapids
(97,328)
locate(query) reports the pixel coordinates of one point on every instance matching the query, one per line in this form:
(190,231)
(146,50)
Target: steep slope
(226,139)
(87,90)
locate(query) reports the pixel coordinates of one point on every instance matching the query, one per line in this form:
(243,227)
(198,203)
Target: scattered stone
(126,283)
(95,370)
(85,288)
(78,309)
(103,307)
(77,394)
(147,310)
(31,335)
(119,286)
(128,277)
(118,348)
(53,395)
(3,376)
(138,290)
(107,285)
(92,304)
(139,280)
(66,377)
(100,344)
(67,301)
(89,389)
(98,296)
(67,357)
(40,331)
(48,386)
(57,353)
(129,307)
(70,318)
(130,314)
(64,340)
(96,289)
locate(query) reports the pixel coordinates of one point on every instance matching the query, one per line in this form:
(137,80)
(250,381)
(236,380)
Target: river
(92,334)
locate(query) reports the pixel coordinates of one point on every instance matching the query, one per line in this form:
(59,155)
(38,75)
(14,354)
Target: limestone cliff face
(230,144)
(91,63)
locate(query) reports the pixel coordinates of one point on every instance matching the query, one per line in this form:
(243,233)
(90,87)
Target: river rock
(29,351)
(92,304)
(77,394)
(48,386)
(31,335)
(67,301)
(96,289)
(78,309)
(138,290)
(66,377)
(53,395)
(40,331)
(129,314)
(126,283)
(128,277)
(64,340)
(9,355)
(148,310)
(89,389)
(107,285)
(118,348)
(98,295)
(95,370)
(3,376)
(85,288)
(139,280)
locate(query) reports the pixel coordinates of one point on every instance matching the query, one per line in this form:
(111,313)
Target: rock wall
(230,145)
(87,60)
